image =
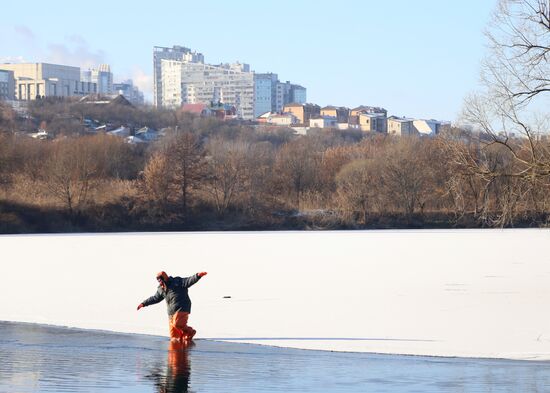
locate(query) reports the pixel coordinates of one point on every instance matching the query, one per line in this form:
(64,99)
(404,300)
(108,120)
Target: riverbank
(126,217)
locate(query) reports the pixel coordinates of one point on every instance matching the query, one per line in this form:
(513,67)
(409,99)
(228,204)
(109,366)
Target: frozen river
(453,293)
(38,358)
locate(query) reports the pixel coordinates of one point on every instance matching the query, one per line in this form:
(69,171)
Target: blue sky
(415,58)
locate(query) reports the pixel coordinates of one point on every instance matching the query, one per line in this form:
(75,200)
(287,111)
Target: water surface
(38,358)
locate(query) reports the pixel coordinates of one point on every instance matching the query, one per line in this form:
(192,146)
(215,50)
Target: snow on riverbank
(476,293)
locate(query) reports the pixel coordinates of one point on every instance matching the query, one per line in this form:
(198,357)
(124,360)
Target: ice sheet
(473,293)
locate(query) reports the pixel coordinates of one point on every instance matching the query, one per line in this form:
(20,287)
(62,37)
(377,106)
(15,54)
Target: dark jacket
(176,295)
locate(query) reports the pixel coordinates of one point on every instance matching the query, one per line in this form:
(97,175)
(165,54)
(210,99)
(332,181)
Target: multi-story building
(101,76)
(323,122)
(182,77)
(7,85)
(298,94)
(129,91)
(303,112)
(288,93)
(339,112)
(272,95)
(367,109)
(34,80)
(265,93)
(372,122)
(400,126)
(368,118)
(177,53)
(195,82)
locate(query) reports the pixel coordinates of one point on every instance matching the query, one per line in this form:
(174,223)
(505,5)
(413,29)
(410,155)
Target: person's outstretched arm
(156,298)
(189,281)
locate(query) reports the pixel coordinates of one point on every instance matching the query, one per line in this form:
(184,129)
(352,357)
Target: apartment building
(182,77)
(372,122)
(303,112)
(178,53)
(271,95)
(34,80)
(265,93)
(323,122)
(195,82)
(401,126)
(7,85)
(368,118)
(288,93)
(341,113)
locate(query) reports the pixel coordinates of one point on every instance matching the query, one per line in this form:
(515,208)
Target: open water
(38,358)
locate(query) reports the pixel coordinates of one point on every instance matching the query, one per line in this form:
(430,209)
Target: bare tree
(227,174)
(259,160)
(70,172)
(157,182)
(406,175)
(516,79)
(517,67)
(511,111)
(186,155)
(297,166)
(357,189)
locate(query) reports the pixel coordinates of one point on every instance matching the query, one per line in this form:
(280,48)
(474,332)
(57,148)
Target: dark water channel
(37,358)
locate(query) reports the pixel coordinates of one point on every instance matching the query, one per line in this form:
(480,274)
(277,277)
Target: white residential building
(33,80)
(178,53)
(182,77)
(194,83)
(323,122)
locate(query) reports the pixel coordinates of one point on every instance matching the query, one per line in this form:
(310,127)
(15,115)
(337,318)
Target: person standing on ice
(174,291)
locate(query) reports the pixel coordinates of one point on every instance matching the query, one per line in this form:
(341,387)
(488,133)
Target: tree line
(238,177)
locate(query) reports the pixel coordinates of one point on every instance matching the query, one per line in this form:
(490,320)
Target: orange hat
(163,275)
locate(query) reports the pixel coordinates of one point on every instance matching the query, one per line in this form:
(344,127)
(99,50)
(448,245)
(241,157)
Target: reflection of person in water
(178,369)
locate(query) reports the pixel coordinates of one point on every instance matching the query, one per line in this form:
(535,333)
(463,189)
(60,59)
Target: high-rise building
(288,93)
(7,85)
(195,82)
(182,77)
(34,80)
(101,76)
(272,95)
(178,53)
(298,94)
(265,93)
